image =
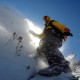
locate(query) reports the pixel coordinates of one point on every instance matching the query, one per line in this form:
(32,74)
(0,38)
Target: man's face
(45,20)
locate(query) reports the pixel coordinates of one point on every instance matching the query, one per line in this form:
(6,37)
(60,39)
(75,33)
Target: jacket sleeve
(59,26)
(67,30)
(37,35)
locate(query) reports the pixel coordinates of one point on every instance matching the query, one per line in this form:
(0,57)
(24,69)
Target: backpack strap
(53,27)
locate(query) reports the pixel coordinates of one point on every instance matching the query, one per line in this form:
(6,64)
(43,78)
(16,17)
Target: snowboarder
(51,39)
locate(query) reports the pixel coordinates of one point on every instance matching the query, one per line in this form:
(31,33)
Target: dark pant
(51,51)
(53,55)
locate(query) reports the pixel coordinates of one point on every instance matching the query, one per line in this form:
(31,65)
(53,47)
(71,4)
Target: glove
(67,34)
(70,34)
(31,32)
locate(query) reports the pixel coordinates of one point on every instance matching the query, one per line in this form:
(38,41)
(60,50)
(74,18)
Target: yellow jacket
(55,23)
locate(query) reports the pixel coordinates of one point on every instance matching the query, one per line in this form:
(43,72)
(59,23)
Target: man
(51,39)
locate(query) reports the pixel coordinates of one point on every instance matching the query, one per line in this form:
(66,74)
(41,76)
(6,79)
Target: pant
(53,55)
(51,51)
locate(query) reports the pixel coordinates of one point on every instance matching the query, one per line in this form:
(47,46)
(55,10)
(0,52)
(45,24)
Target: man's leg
(54,56)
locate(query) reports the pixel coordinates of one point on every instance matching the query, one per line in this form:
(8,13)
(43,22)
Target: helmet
(45,18)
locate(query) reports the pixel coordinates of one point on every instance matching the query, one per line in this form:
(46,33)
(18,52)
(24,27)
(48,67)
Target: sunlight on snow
(36,29)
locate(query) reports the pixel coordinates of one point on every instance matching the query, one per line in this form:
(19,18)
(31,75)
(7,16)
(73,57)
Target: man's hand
(71,35)
(67,34)
(31,32)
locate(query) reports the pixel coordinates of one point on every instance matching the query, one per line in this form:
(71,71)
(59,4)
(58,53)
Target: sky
(66,12)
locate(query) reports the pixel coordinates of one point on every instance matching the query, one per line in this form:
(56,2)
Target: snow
(60,77)
(16,67)
(11,67)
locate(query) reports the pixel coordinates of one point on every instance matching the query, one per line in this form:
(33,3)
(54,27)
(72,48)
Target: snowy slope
(15,67)
(11,67)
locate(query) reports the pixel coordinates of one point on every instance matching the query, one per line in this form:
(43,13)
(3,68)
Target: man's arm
(37,35)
